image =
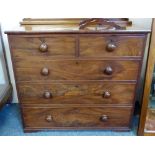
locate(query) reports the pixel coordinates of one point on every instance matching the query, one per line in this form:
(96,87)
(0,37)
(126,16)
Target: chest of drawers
(77,79)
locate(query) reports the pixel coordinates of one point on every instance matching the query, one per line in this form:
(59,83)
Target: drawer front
(111,45)
(84,93)
(77,70)
(42,46)
(84,117)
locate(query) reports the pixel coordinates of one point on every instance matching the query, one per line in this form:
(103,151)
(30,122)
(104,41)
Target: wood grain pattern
(27,70)
(148,81)
(76,117)
(125,45)
(90,46)
(23,46)
(76,83)
(77,93)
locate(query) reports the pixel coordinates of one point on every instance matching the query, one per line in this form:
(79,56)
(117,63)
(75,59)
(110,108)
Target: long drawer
(79,117)
(76,93)
(42,70)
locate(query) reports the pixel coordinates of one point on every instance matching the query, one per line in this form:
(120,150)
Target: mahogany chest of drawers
(77,79)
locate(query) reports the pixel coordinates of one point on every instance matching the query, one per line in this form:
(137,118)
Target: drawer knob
(43,47)
(45,71)
(108,70)
(104,118)
(110,47)
(48,118)
(47,95)
(106,94)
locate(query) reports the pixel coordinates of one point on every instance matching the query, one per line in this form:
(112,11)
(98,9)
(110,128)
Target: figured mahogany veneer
(77,93)
(76,117)
(48,70)
(26,46)
(66,45)
(77,79)
(121,45)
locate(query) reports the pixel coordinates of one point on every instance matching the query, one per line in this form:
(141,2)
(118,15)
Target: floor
(11,125)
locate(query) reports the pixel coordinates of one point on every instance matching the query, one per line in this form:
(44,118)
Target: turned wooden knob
(111,47)
(45,71)
(49,118)
(108,70)
(47,95)
(104,118)
(106,94)
(43,47)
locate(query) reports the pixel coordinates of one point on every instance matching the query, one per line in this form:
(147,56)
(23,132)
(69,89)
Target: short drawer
(77,93)
(111,45)
(76,70)
(79,117)
(52,45)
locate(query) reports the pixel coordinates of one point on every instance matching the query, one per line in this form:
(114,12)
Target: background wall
(25,10)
